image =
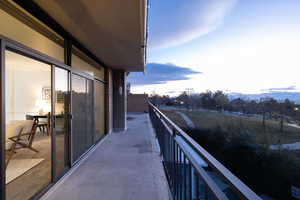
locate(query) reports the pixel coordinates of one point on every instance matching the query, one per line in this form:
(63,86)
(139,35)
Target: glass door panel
(89,117)
(83,117)
(99,110)
(61,119)
(79,112)
(28,152)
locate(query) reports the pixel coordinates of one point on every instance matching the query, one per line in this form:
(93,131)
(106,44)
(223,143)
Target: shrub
(263,170)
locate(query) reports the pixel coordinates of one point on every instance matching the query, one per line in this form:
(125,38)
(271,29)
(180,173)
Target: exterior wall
(113,90)
(137,103)
(24,88)
(119,100)
(82,62)
(20,32)
(99,107)
(109,100)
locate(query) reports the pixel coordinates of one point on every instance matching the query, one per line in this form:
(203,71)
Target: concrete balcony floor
(125,165)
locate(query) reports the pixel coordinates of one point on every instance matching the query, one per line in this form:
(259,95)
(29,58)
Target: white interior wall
(28,87)
(25,79)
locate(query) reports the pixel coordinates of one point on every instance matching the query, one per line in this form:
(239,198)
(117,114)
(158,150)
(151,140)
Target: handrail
(239,187)
(208,180)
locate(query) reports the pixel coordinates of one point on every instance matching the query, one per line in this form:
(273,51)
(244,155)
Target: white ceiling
(113,30)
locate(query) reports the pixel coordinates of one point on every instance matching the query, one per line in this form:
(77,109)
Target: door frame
(55,176)
(98,81)
(87,78)
(16,47)
(2,122)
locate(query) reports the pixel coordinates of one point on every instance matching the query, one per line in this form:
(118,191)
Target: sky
(244,46)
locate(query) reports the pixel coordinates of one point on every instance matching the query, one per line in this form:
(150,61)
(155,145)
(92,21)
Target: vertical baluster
(205,192)
(193,184)
(181,174)
(176,170)
(166,147)
(189,185)
(171,159)
(197,187)
(174,163)
(170,155)
(178,173)
(184,177)
(170,149)
(165,144)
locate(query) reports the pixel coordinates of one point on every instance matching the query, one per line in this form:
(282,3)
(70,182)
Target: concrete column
(109,100)
(119,100)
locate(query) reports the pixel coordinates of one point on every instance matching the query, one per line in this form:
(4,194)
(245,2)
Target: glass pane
(28,141)
(79,96)
(87,65)
(89,115)
(61,120)
(16,30)
(83,115)
(99,110)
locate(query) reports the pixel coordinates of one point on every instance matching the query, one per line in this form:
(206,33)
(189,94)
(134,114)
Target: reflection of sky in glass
(61,80)
(78,84)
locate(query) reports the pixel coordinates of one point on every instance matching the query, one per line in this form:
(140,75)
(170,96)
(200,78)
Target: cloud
(160,73)
(282,89)
(173,22)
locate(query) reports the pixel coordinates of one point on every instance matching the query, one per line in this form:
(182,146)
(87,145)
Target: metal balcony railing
(191,171)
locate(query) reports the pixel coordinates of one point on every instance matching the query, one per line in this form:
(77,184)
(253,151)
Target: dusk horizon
(229,45)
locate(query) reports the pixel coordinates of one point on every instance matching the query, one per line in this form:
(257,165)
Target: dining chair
(23,136)
(41,125)
(45,125)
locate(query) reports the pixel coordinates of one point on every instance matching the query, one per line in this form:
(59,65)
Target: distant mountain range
(293,96)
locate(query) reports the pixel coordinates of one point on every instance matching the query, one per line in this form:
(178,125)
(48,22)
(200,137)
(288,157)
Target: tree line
(219,101)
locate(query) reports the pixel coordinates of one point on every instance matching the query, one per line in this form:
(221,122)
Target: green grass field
(175,118)
(236,124)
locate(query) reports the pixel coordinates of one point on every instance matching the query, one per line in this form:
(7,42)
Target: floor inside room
(29,172)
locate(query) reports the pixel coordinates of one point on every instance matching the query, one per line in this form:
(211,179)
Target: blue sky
(246,46)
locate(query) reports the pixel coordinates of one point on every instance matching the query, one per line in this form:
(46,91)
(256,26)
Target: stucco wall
(137,103)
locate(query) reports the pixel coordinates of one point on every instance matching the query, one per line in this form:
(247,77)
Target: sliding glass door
(61,120)
(28,152)
(99,110)
(82,120)
(41,139)
(36,126)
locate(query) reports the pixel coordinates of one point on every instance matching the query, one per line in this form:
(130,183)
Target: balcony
(124,165)
(139,164)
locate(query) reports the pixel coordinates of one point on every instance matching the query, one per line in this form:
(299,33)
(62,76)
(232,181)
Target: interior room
(28,135)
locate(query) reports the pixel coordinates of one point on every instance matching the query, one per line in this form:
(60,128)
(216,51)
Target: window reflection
(28,141)
(99,110)
(61,119)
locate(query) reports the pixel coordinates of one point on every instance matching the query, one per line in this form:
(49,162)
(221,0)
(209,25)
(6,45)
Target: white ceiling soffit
(113,30)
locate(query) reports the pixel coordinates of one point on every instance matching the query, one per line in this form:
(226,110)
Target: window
(20,32)
(82,62)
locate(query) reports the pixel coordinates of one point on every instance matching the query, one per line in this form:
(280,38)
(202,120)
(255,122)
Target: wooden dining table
(37,117)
